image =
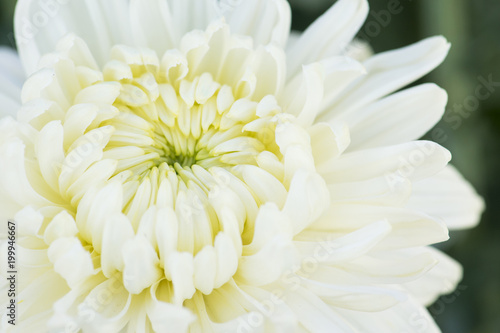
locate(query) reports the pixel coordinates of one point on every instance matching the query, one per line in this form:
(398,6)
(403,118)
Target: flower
(173,169)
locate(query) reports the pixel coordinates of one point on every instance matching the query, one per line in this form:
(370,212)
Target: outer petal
(407,316)
(318,84)
(160,24)
(449,196)
(40,25)
(329,35)
(265,21)
(441,279)
(413,160)
(399,118)
(388,72)
(11,80)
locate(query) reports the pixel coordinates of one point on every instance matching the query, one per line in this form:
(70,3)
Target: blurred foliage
(473,29)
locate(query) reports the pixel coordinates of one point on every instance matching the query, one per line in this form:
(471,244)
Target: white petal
(102,93)
(166,317)
(312,91)
(307,199)
(9,106)
(227,259)
(50,153)
(409,228)
(293,38)
(345,248)
(449,196)
(388,72)
(166,230)
(360,298)
(71,260)
(111,315)
(270,70)
(267,265)
(314,314)
(391,267)
(141,265)
(305,101)
(29,222)
(329,35)
(266,21)
(13,175)
(84,152)
(441,279)
(270,222)
(414,160)
(205,269)
(160,25)
(359,49)
(94,176)
(50,286)
(116,233)
(103,204)
(153,25)
(181,266)
(328,141)
(11,80)
(378,191)
(40,25)
(265,186)
(63,225)
(399,118)
(11,67)
(39,112)
(406,316)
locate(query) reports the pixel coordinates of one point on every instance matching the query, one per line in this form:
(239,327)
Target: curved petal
(407,316)
(399,118)
(11,67)
(11,81)
(160,24)
(449,196)
(329,35)
(439,280)
(40,25)
(388,72)
(319,83)
(414,160)
(314,314)
(266,21)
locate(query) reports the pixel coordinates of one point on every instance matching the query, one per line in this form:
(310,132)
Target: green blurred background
(473,28)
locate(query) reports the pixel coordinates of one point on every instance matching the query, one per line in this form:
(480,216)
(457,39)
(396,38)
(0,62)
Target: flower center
(197,123)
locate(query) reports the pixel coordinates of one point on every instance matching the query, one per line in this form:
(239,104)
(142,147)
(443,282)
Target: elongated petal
(440,280)
(88,19)
(160,24)
(388,72)
(449,196)
(407,316)
(413,160)
(11,80)
(71,260)
(266,21)
(399,118)
(329,35)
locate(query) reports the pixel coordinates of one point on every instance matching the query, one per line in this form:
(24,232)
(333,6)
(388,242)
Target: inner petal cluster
(167,170)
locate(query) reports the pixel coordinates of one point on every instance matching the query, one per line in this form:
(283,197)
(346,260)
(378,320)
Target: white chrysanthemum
(173,169)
